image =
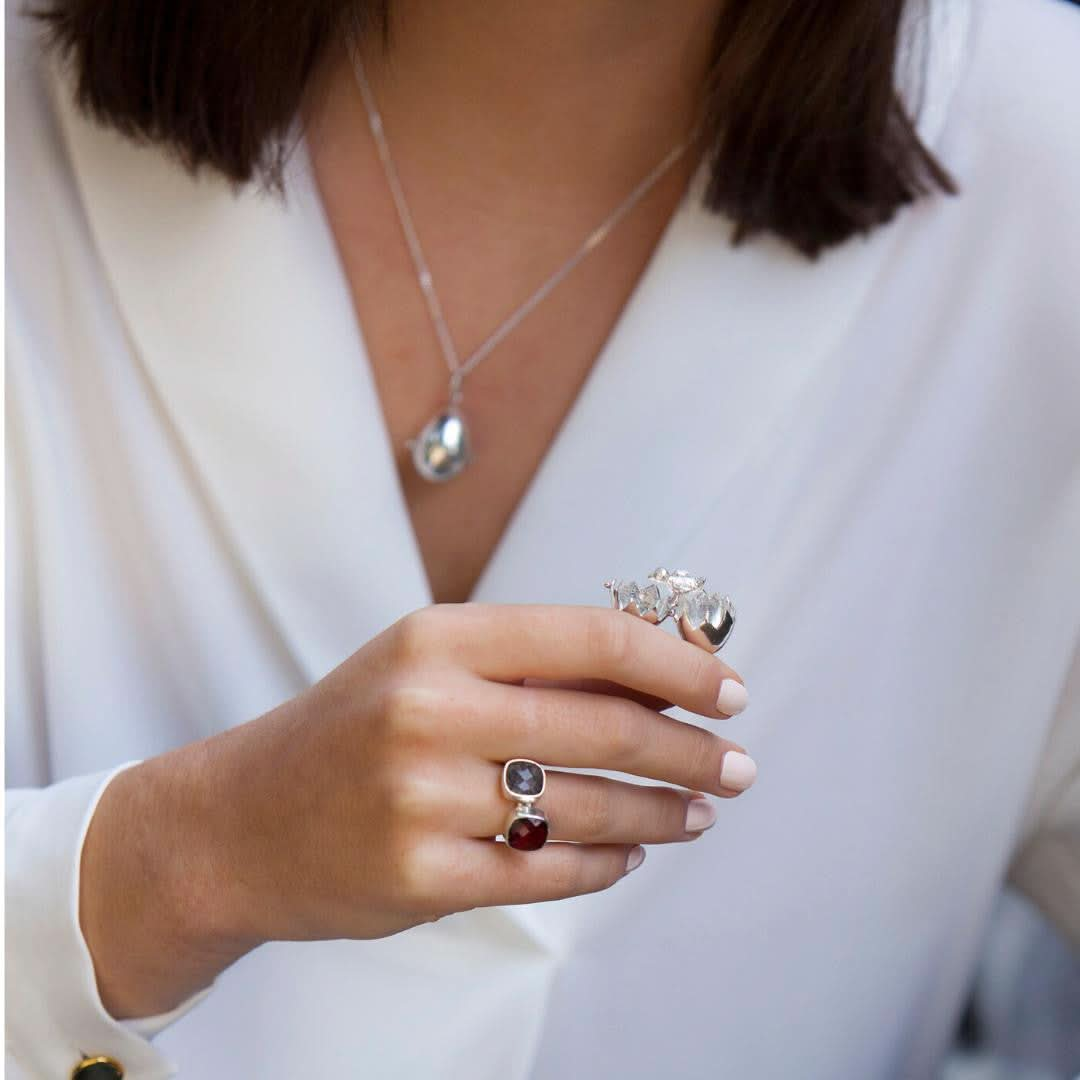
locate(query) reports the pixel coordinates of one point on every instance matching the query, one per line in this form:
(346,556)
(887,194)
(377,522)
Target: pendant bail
(456,391)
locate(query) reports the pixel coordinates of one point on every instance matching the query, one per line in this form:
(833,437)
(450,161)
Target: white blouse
(877,454)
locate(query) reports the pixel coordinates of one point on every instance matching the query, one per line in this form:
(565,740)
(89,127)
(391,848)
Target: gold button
(98,1068)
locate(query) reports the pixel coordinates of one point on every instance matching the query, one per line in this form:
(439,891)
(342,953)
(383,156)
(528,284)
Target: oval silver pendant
(441,450)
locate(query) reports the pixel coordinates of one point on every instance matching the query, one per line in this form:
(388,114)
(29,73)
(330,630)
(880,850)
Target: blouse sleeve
(55,1016)
(1047,862)
(54,1013)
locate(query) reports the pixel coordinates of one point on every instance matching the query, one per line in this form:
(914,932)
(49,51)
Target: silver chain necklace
(442,448)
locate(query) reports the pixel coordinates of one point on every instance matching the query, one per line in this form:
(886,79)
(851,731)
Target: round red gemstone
(527,834)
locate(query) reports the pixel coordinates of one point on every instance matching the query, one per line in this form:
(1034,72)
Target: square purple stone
(524,778)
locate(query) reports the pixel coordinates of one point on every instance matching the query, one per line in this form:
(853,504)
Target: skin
(368,804)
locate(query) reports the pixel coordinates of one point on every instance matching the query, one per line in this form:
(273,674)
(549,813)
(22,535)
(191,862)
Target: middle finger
(578,729)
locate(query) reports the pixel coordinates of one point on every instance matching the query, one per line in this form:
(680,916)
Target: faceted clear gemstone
(659,574)
(524,778)
(627,594)
(691,606)
(648,599)
(665,595)
(527,834)
(684,581)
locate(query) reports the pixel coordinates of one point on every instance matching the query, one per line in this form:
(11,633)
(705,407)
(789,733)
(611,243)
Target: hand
(370,803)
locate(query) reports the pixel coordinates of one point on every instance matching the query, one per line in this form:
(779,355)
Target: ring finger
(590,809)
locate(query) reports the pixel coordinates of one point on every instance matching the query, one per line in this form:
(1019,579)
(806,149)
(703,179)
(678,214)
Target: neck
(544,92)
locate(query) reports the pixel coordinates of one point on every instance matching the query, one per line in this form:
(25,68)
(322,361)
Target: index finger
(562,641)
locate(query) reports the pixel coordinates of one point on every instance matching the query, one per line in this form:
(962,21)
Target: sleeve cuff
(55,1016)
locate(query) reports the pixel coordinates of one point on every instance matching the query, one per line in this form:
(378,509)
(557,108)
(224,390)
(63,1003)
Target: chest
(485,269)
(513,408)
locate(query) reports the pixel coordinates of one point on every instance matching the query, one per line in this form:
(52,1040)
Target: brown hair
(809,138)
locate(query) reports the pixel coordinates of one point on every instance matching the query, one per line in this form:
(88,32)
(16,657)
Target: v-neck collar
(239,314)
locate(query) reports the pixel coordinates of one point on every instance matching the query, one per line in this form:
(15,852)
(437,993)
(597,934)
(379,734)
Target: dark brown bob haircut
(808,135)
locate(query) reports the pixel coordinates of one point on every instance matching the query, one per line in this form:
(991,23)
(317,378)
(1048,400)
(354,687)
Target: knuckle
(541,717)
(411,792)
(417,876)
(608,641)
(414,634)
(594,811)
(409,708)
(706,674)
(533,716)
(628,734)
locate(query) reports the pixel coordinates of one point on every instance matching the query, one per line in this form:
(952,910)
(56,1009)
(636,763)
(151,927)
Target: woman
(255,734)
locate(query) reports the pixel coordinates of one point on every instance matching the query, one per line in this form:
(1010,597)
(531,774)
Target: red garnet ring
(527,826)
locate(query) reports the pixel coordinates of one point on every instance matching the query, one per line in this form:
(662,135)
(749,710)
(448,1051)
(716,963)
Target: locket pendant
(441,450)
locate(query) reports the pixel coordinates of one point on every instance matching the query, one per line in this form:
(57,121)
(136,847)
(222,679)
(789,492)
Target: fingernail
(732,698)
(700,815)
(737,772)
(635,858)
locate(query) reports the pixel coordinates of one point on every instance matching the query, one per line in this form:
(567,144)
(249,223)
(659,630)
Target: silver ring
(524,781)
(704,619)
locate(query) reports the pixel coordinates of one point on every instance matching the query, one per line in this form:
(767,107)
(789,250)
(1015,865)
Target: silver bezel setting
(523,801)
(712,631)
(524,812)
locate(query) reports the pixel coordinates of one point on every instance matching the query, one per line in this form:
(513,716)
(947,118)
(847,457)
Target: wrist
(157,900)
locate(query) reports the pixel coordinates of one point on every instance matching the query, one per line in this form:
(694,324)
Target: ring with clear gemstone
(705,619)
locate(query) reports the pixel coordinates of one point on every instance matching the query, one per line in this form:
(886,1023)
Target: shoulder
(43,208)
(33,137)
(1009,140)
(1016,103)
(1036,39)
(54,284)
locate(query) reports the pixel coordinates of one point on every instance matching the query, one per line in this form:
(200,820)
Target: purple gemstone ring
(524,781)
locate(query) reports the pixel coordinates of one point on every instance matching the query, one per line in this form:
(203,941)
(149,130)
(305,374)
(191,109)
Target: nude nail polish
(737,771)
(635,858)
(732,698)
(700,815)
